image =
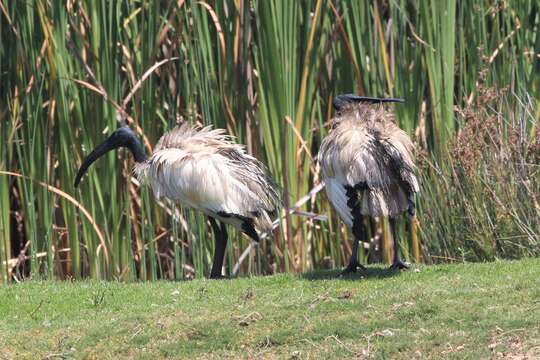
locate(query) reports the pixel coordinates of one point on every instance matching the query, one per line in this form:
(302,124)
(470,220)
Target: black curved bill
(98,152)
(121,137)
(341,101)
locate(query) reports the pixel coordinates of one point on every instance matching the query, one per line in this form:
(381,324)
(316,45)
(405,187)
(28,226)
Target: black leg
(412,205)
(220,237)
(397,264)
(359,232)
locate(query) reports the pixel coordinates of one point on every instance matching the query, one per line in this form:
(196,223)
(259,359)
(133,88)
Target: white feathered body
(203,169)
(368,154)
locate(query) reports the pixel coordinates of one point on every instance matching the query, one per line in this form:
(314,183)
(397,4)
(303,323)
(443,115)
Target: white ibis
(203,168)
(367,166)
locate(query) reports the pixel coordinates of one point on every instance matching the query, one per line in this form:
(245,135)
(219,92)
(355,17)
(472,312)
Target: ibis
(367,167)
(202,168)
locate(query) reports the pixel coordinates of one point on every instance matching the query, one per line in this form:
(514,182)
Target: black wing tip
(342,100)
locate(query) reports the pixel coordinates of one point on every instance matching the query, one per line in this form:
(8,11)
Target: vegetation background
(267,71)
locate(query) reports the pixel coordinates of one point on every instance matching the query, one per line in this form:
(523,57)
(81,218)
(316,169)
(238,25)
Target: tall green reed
(264,70)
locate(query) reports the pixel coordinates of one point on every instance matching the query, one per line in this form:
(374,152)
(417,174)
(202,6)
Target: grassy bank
(447,311)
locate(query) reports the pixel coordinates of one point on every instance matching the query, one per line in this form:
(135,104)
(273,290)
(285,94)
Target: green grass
(446,311)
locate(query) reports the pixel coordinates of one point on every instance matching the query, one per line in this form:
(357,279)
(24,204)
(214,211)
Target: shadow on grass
(369,273)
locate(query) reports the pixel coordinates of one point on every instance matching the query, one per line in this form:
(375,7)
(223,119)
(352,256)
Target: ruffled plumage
(366,152)
(203,168)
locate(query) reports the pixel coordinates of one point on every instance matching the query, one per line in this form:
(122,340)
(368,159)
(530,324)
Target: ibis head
(121,137)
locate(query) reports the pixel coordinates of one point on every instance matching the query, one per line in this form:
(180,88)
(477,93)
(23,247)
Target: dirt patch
(514,344)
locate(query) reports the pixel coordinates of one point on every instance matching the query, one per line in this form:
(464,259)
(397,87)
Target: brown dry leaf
(246,320)
(345,295)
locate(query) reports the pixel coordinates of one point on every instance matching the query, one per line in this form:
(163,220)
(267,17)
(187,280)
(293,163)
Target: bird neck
(137,150)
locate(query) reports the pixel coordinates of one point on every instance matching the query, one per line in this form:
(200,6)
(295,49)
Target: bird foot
(352,268)
(399,265)
(217,277)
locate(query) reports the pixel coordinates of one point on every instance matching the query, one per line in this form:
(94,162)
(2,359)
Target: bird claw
(217,277)
(399,265)
(352,268)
